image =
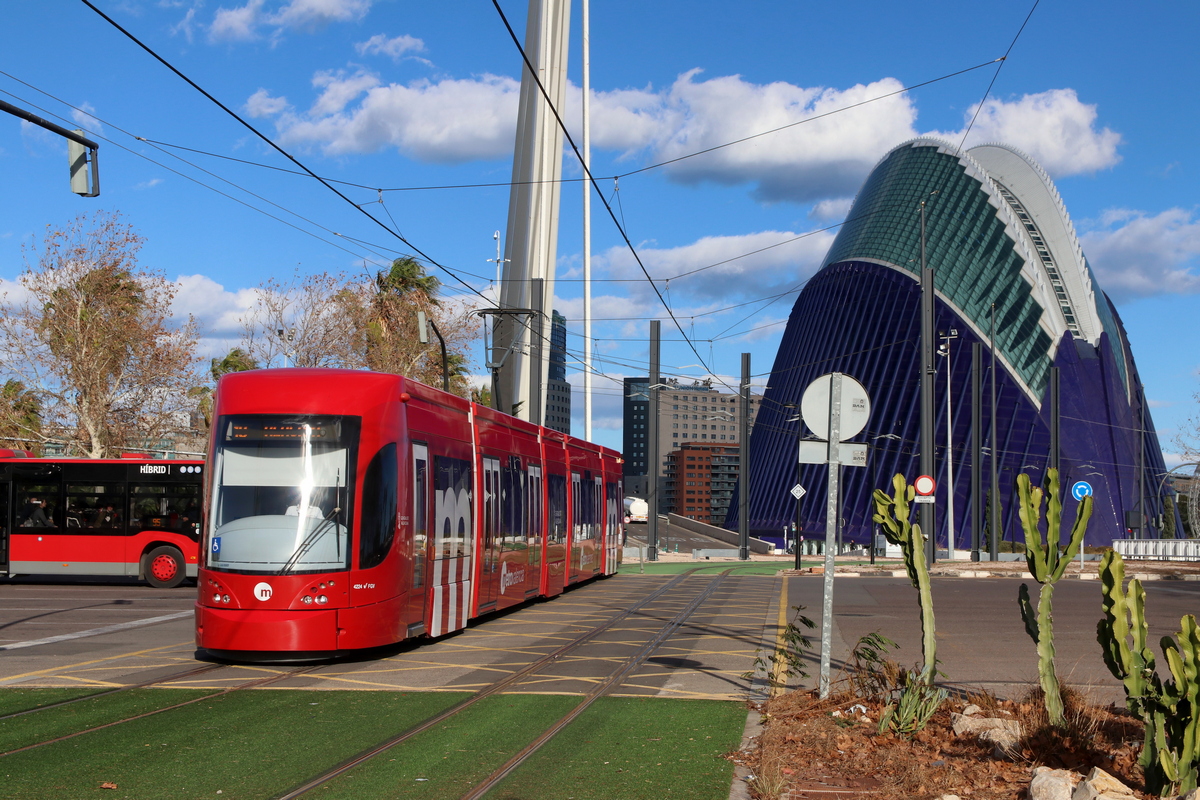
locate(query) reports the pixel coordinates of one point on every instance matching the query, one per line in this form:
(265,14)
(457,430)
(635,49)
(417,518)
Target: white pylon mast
(530,245)
(587,229)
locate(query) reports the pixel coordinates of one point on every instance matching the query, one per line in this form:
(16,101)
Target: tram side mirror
(422,328)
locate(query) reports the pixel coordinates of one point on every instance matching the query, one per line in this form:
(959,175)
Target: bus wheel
(163,567)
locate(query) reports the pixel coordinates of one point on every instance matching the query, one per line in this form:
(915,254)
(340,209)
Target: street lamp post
(945,351)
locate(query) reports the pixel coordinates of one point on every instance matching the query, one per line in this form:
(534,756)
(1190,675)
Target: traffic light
(79,156)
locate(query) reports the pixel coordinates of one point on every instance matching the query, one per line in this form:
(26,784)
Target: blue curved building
(1005,258)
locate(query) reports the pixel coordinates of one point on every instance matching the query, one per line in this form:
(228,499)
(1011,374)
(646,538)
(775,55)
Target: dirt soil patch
(832,749)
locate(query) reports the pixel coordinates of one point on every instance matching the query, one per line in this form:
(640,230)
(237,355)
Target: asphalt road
(106,634)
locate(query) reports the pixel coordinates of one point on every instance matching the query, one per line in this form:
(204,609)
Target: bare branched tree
(93,341)
(310,321)
(371,323)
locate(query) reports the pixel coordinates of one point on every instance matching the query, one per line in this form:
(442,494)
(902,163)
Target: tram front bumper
(287,630)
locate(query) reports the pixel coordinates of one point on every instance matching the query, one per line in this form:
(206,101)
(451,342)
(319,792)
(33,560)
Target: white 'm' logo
(262,591)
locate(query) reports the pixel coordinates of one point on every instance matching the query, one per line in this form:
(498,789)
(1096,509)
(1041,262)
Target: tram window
(452,493)
(378,508)
(95,507)
(164,506)
(37,505)
(556,489)
(420,522)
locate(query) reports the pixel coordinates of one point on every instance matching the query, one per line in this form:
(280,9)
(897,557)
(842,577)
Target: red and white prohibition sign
(924,485)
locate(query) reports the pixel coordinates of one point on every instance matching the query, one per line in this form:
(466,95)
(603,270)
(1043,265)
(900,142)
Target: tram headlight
(322,599)
(307,599)
(217,598)
(224,598)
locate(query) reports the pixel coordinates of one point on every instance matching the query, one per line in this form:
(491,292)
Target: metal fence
(1158,549)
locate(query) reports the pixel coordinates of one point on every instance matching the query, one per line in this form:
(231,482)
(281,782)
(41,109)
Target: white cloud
(731,267)
(441,122)
(1054,127)
(262,104)
(788,142)
(218,311)
(396,47)
(832,210)
(186,26)
(1135,255)
(150,184)
(315,14)
(84,119)
(236,24)
(242,24)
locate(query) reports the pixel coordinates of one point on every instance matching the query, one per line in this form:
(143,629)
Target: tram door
(613,530)
(577,501)
(492,537)
(5,523)
(536,529)
(419,524)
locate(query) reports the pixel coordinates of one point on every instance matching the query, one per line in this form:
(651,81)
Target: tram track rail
(179,676)
(607,686)
(258,683)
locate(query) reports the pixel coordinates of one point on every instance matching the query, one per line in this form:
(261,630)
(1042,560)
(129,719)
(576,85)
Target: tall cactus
(1046,565)
(892,515)
(1170,756)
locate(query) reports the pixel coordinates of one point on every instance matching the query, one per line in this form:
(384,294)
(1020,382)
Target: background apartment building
(697,416)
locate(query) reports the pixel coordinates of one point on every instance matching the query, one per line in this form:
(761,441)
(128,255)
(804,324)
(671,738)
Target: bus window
(95,507)
(37,505)
(171,507)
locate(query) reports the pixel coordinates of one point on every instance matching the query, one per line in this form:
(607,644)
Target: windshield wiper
(310,540)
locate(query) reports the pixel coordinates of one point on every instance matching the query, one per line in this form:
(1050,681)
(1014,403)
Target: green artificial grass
(13,701)
(635,749)
(55,722)
(456,755)
(251,744)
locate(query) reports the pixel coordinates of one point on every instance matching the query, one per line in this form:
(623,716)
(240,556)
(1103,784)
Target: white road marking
(122,626)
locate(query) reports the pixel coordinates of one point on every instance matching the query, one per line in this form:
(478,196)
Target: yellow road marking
(87,663)
(777,666)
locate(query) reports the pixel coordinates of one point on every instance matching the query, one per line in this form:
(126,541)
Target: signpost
(835,407)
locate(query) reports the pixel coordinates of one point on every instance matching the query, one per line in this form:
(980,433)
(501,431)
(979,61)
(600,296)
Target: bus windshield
(281,494)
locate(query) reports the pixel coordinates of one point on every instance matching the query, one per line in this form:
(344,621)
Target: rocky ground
(832,750)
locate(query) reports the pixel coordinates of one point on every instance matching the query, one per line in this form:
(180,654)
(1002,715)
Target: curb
(740,789)
(967,573)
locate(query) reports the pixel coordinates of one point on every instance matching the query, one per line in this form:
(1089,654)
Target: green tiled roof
(975,261)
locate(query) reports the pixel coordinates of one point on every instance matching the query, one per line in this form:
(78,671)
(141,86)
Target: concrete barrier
(720,534)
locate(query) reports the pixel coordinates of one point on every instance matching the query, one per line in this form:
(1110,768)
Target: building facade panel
(1005,259)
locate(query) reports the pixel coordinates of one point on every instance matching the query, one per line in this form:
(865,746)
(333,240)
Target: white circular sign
(263,590)
(855,407)
(924,485)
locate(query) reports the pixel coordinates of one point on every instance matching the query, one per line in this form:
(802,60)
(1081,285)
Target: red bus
(135,517)
(346,510)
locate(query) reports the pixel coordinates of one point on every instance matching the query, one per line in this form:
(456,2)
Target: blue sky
(401,95)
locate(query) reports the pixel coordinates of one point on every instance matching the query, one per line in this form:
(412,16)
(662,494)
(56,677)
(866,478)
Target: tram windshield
(281,494)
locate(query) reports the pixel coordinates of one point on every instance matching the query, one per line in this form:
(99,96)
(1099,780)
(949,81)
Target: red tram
(347,510)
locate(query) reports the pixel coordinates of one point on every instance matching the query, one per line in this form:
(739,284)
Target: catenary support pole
(652,456)
(976,449)
(926,514)
(744,464)
(994,531)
